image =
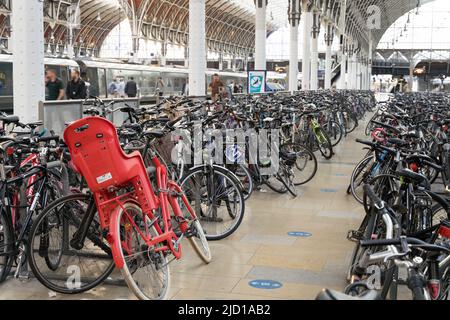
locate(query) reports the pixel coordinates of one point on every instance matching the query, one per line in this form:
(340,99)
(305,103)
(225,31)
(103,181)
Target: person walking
(54,86)
(113,88)
(131,88)
(121,88)
(76,88)
(160,85)
(216,87)
(87,83)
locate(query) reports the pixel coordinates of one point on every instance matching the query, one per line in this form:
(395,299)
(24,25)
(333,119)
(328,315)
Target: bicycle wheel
(145,269)
(198,241)
(245,177)
(283,181)
(351,122)
(6,246)
(216,196)
(360,175)
(306,164)
(324,143)
(334,131)
(370,125)
(53,260)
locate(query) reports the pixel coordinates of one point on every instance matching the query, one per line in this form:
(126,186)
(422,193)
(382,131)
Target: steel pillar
(27,22)
(315,31)
(197,47)
(294,21)
(329,35)
(260,35)
(306,61)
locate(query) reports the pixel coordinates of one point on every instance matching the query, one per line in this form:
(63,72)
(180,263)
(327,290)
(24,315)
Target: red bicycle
(144,224)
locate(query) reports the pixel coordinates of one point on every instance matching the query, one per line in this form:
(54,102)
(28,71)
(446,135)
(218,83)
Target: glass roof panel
(425,28)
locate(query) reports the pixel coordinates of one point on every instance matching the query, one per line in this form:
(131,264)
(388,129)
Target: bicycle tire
(144,257)
(36,266)
(326,149)
(7,240)
(236,193)
(305,153)
(367,161)
(335,136)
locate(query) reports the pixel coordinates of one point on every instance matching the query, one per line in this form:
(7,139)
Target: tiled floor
(262,249)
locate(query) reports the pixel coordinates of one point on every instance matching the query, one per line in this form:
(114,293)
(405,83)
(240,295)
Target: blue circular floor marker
(300,234)
(265,284)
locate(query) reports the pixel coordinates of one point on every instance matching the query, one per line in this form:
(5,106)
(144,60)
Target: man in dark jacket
(76,88)
(131,88)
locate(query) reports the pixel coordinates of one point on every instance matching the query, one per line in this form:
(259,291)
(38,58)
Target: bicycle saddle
(420,179)
(10,119)
(157,134)
(127,133)
(127,109)
(34,125)
(328,294)
(397,142)
(132,126)
(412,134)
(290,157)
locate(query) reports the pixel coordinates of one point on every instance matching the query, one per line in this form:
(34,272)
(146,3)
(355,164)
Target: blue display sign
(300,234)
(265,284)
(257,82)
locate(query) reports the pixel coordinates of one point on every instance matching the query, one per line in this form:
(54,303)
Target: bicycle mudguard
(116,246)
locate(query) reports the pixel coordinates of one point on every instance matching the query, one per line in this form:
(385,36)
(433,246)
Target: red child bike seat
(96,153)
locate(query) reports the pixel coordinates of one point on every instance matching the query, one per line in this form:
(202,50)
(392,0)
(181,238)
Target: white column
(370,62)
(328,62)
(197,48)
(221,62)
(28,60)
(351,72)
(260,35)
(315,51)
(343,78)
(294,20)
(162,61)
(70,48)
(358,74)
(363,76)
(306,61)
(366,76)
(314,64)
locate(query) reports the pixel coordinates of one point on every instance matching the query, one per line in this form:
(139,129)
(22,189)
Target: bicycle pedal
(354,236)
(24,276)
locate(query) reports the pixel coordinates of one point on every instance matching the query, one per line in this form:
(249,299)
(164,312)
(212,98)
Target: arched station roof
(229,23)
